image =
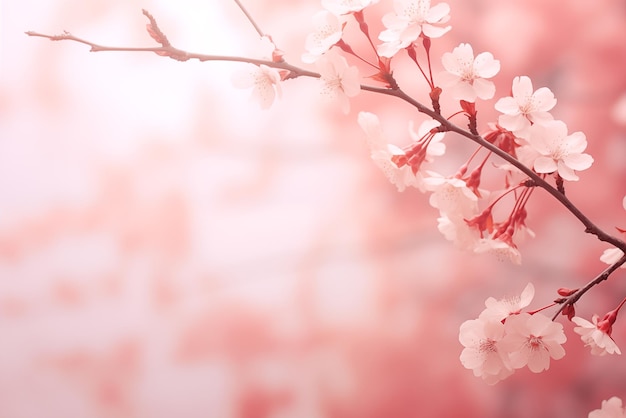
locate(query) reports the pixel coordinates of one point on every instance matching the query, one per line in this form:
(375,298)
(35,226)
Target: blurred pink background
(169,250)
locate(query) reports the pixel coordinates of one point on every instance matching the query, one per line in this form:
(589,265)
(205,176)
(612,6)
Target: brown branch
(569,301)
(179,54)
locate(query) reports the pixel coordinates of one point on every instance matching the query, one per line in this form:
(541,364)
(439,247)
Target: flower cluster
(611,408)
(505,338)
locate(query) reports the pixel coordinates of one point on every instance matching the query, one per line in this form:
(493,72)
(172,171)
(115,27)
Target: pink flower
(595,337)
(498,310)
(466,76)
(558,151)
(264,81)
(502,250)
(383,153)
(526,106)
(455,229)
(342,7)
(339,81)
(409,20)
(610,409)
(482,353)
(328,31)
(531,340)
(451,196)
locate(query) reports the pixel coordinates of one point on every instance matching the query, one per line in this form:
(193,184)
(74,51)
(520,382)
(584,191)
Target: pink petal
(484,89)
(566,172)
(508,106)
(578,161)
(576,142)
(544,99)
(434,31)
(438,13)
(545,165)
(485,66)
(522,88)
(513,123)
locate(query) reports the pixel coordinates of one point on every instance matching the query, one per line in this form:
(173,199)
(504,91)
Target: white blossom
(558,151)
(408,21)
(339,81)
(465,76)
(532,340)
(264,81)
(499,309)
(593,336)
(525,106)
(328,31)
(342,7)
(482,353)
(383,153)
(611,408)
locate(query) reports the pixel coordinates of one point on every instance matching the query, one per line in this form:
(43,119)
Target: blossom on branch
(555,150)
(610,409)
(466,76)
(342,7)
(482,353)
(532,340)
(451,196)
(383,153)
(504,251)
(339,80)
(264,81)
(410,19)
(328,32)
(596,336)
(500,309)
(525,106)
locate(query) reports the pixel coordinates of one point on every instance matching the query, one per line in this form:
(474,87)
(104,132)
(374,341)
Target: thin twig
(249,16)
(179,54)
(598,279)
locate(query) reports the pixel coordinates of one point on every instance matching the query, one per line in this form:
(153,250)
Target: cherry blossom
(328,31)
(595,335)
(526,106)
(500,309)
(558,151)
(531,340)
(339,80)
(264,80)
(382,152)
(342,7)
(501,249)
(451,195)
(435,148)
(611,408)
(466,76)
(410,19)
(482,353)
(456,229)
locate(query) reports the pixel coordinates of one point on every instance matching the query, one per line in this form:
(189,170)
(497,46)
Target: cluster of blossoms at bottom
(611,408)
(504,338)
